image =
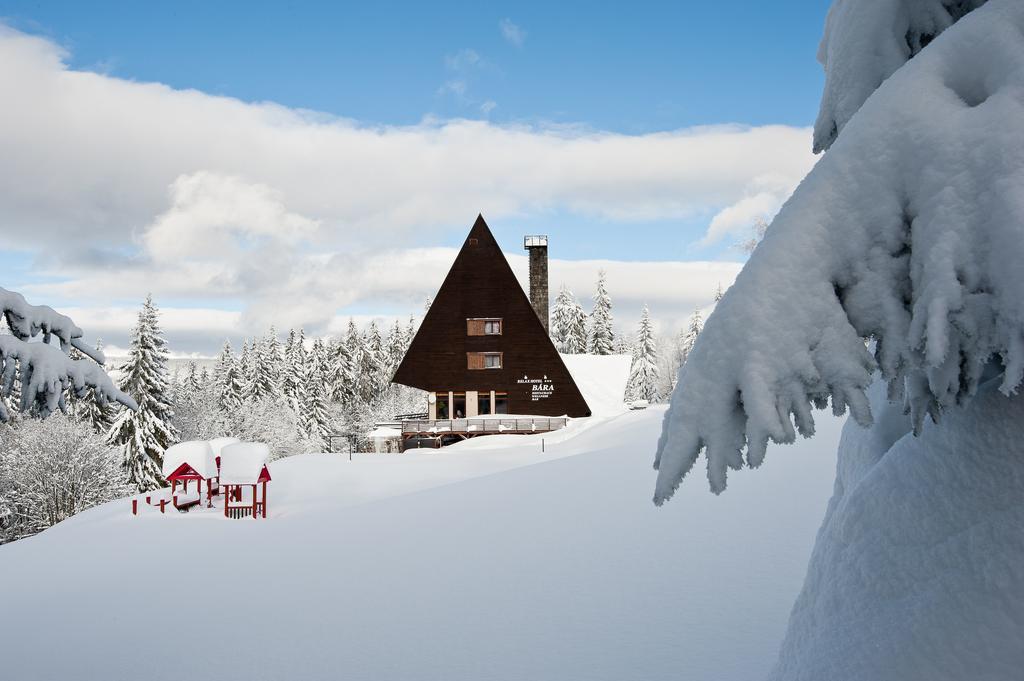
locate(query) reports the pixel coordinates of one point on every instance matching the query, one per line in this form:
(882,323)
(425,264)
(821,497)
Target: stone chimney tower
(538,248)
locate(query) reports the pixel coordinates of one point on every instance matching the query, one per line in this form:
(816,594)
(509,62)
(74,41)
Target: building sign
(541,388)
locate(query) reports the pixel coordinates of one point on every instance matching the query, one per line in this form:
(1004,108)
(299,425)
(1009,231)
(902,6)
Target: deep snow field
(469,563)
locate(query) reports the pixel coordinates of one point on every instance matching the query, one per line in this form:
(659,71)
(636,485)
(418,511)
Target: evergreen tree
(245,361)
(273,357)
(192,379)
(689,336)
(602,337)
(643,377)
(313,418)
(99,417)
(295,369)
(144,434)
(339,376)
(371,365)
(719,292)
(569,324)
(227,375)
(260,378)
(395,350)
(410,333)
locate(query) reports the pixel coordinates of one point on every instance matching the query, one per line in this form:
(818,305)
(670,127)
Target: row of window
(457,408)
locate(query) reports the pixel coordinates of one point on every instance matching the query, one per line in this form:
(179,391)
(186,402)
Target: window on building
(483,360)
(442,405)
(483,404)
(500,403)
(479,326)
(459,405)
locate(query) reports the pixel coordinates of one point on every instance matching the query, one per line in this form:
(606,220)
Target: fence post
(135,506)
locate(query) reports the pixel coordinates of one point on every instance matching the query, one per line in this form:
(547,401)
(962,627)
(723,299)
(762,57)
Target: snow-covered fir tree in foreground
(602,335)
(908,232)
(643,376)
(146,432)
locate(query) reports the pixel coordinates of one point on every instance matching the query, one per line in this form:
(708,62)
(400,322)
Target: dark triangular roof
(481,284)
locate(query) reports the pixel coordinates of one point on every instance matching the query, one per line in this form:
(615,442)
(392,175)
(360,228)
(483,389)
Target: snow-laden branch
(909,232)
(866,42)
(27,321)
(46,371)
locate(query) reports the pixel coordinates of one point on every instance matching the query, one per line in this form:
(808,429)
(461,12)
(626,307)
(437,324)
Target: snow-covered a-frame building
(483,348)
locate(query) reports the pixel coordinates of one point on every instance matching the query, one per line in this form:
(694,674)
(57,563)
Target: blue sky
(628,67)
(248,162)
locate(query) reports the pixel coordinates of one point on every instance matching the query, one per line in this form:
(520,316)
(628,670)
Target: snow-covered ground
(469,563)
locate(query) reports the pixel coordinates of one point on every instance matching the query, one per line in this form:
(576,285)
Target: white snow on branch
(46,371)
(866,42)
(909,232)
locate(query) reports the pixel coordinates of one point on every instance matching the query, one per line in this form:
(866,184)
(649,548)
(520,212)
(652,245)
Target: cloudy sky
(251,166)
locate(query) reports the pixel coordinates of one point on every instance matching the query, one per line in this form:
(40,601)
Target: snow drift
(504,564)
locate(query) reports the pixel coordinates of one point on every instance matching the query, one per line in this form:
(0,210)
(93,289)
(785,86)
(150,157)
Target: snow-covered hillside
(498,563)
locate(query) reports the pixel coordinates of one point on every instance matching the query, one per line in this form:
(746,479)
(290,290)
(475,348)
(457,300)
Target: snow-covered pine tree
(569,323)
(244,361)
(192,381)
(99,416)
(313,417)
(908,232)
(410,333)
(228,377)
(394,350)
(688,336)
(602,336)
(145,433)
(273,357)
(643,376)
(371,366)
(340,379)
(260,381)
(623,344)
(719,292)
(295,370)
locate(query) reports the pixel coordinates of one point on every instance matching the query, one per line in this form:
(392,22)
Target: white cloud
(513,34)
(289,216)
(738,218)
(213,215)
(463,60)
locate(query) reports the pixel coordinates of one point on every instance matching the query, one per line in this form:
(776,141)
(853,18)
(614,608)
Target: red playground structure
(236,471)
(243,478)
(188,462)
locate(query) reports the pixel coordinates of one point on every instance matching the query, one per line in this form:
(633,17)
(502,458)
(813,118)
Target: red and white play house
(244,477)
(191,462)
(200,470)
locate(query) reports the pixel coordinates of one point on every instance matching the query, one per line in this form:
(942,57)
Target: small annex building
(483,348)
